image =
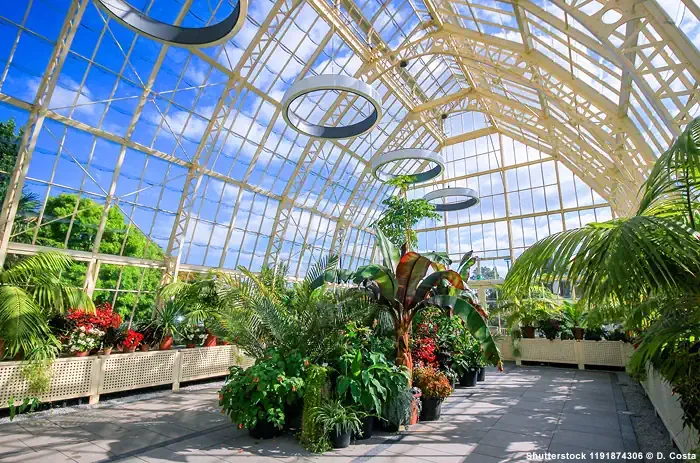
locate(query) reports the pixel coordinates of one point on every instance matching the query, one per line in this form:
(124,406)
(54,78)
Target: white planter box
(75,377)
(581,353)
(669,410)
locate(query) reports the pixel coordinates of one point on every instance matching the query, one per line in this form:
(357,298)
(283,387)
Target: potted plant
(132,339)
(467,362)
(149,336)
(399,410)
(82,340)
(192,335)
(338,422)
(166,324)
(574,319)
(435,388)
(112,337)
(549,328)
(525,307)
(256,397)
(481,376)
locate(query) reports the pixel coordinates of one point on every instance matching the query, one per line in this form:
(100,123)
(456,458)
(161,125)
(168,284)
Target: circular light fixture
(192,37)
(471,198)
(405,154)
(339,83)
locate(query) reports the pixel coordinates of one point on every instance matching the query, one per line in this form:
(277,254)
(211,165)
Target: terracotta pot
(145,347)
(107,350)
(578,333)
(82,354)
(191,345)
(210,341)
(130,349)
(166,343)
(414,412)
(528,332)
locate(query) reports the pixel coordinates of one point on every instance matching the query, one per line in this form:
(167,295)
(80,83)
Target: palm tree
(402,287)
(31,292)
(642,269)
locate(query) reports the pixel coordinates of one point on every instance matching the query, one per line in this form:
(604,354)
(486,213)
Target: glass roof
(553,110)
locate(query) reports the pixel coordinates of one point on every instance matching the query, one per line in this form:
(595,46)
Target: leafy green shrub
(312,436)
(432,382)
(332,416)
(261,392)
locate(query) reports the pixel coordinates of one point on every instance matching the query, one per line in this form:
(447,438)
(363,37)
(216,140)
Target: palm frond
(322,271)
(23,325)
(42,263)
(623,259)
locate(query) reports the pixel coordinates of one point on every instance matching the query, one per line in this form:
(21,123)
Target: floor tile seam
(165,443)
(73,459)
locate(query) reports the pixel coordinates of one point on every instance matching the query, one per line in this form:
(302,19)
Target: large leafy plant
(403,288)
(642,269)
(402,214)
(31,291)
(261,392)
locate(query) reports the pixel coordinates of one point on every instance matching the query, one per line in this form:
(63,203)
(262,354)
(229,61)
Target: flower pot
(482,374)
(190,345)
(107,351)
(340,441)
(468,379)
(578,333)
(528,332)
(166,343)
(83,353)
(387,426)
(264,430)
(130,349)
(210,341)
(145,347)
(432,407)
(367,428)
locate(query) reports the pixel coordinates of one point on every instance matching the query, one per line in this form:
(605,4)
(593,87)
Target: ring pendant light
(471,198)
(191,37)
(340,83)
(406,154)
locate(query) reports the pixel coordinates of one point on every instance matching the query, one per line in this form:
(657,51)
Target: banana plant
(403,286)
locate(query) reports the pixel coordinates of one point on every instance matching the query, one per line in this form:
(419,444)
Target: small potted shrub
(467,362)
(132,340)
(113,336)
(481,376)
(149,337)
(256,397)
(192,335)
(399,409)
(594,334)
(435,388)
(166,324)
(338,422)
(82,340)
(574,319)
(549,328)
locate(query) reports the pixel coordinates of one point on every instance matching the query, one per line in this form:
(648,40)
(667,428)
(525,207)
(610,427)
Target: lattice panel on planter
(144,369)
(542,350)
(70,379)
(609,353)
(505,346)
(207,362)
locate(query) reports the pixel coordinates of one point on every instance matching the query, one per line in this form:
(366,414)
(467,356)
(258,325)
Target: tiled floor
(528,409)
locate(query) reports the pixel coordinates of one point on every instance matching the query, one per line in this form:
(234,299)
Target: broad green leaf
(434,279)
(382,276)
(475,324)
(410,271)
(465,264)
(390,254)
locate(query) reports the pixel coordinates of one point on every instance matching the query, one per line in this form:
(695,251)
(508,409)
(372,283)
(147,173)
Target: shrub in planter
(574,318)
(549,328)
(398,410)
(132,340)
(594,334)
(435,388)
(82,340)
(192,335)
(467,362)
(255,398)
(166,324)
(338,422)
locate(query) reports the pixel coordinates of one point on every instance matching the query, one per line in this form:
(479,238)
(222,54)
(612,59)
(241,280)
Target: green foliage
(38,374)
(261,392)
(401,215)
(30,291)
(256,316)
(468,357)
(313,438)
(167,320)
(368,380)
(397,411)
(333,416)
(28,405)
(527,306)
(642,269)
(574,314)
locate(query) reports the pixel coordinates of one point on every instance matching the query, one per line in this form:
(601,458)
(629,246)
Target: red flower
(103,318)
(132,339)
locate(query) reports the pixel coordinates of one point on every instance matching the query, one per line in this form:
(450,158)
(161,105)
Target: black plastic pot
(340,441)
(482,374)
(468,379)
(432,407)
(385,425)
(367,428)
(264,430)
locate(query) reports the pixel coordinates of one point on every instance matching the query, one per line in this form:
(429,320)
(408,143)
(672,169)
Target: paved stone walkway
(528,409)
